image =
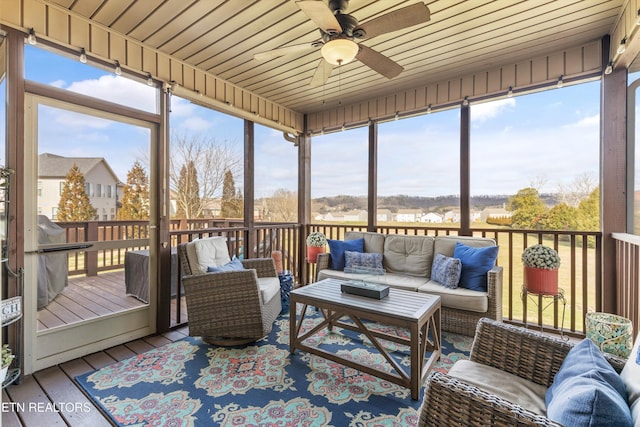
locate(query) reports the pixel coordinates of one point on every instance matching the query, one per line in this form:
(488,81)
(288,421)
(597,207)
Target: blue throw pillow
(338,247)
(476,262)
(372,262)
(446,270)
(587,391)
(234,265)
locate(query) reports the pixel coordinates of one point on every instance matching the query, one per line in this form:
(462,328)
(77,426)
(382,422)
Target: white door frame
(47,348)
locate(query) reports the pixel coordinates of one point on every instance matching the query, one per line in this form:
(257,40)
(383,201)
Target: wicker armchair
(450,401)
(230,307)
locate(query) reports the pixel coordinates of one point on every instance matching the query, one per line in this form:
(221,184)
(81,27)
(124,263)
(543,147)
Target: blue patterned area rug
(191,383)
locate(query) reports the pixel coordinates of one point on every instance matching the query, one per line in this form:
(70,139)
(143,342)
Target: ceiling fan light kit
(339,51)
(338,30)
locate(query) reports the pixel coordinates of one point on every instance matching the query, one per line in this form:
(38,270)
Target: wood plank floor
(91,297)
(36,401)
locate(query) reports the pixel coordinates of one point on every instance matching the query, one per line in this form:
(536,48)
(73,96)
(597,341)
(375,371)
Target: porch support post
(372,199)
(613,148)
(249,174)
(15,160)
(161,216)
(465,118)
(304,199)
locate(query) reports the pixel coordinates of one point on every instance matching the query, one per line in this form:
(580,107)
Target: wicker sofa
(488,389)
(407,263)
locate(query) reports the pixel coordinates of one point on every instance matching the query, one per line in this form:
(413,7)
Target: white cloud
(591,121)
(58,83)
(489,110)
(181,107)
(195,124)
(118,89)
(77,121)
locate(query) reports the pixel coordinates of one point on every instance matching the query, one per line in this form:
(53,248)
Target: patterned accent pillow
(370,261)
(446,270)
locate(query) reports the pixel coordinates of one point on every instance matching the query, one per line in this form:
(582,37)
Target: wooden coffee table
(419,313)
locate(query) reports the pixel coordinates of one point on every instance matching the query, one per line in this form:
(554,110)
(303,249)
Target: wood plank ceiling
(221,37)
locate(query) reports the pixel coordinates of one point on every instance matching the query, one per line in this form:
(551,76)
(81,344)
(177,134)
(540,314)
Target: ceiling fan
(340,30)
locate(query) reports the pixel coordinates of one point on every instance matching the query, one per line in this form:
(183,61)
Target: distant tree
(560,217)
(538,182)
(527,208)
(232,203)
(578,190)
(74,204)
(588,212)
(135,197)
(239,204)
(499,221)
(188,193)
(211,158)
(282,206)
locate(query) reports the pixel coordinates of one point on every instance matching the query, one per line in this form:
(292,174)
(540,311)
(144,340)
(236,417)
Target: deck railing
(628,277)
(579,272)
(90,262)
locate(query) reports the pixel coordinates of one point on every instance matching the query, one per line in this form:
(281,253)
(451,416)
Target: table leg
(416,360)
(292,325)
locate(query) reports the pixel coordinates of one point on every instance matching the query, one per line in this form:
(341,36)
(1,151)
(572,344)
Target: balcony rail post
(91,257)
(184,225)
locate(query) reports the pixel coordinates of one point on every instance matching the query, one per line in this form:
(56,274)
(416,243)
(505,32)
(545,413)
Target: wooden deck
(91,297)
(38,393)
(31,403)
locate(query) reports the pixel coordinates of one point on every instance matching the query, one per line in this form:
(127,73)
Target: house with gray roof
(101,184)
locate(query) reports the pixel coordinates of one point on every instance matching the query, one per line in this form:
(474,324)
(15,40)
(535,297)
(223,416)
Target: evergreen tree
(560,217)
(589,212)
(232,203)
(211,158)
(238,204)
(189,205)
(74,204)
(527,208)
(135,197)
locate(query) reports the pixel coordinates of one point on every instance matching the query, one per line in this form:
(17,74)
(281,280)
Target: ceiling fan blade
(321,15)
(286,50)
(378,62)
(408,16)
(322,73)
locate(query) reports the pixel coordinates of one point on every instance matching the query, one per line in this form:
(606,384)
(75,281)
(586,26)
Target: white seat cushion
(211,252)
(269,288)
(510,387)
(394,280)
(398,281)
(459,298)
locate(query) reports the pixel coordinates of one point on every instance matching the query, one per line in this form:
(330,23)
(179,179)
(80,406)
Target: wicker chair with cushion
(504,382)
(229,302)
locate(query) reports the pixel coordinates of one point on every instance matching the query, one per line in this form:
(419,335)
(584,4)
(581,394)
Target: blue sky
(549,138)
